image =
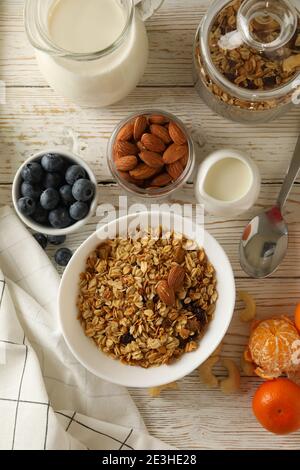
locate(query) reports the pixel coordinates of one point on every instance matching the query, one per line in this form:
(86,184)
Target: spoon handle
(290,177)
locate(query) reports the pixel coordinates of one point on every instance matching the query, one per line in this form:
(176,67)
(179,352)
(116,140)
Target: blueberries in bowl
(79,210)
(55,192)
(74,173)
(60,218)
(31,190)
(52,163)
(50,199)
(83,190)
(32,172)
(26,206)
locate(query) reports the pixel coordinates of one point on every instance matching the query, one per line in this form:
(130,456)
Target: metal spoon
(265,239)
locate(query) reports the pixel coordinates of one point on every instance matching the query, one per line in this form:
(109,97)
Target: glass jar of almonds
(151,154)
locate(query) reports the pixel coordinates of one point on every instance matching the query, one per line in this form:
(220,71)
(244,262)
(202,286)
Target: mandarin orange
(297,317)
(276,405)
(272,346)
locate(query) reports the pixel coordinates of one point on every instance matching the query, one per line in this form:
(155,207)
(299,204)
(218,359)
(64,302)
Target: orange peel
(271,347)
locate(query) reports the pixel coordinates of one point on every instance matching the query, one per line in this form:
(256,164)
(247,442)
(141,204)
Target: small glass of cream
(227,183)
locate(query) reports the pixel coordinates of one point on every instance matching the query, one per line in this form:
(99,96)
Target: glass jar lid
(251,48)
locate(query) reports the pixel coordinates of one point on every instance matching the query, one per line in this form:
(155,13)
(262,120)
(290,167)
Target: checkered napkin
(47,399)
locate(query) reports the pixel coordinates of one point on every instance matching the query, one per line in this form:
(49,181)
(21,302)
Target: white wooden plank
(35,118)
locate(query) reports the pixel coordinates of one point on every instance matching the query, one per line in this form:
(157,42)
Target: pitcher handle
(147,8)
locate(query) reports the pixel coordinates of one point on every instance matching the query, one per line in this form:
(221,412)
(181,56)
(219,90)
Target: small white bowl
(85,350)
(233,208)
(45,229)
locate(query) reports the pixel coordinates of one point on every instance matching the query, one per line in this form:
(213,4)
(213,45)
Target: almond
(126,133)
(179,254)
(184,161)
(175,152)
(126,163)
(153,143)
(161,132)
(175,170)
(143,172)
(165,293)
(140,146)
(158,119)
(123,148)
(176,278)
(177,134)
(152,159)
(126,176)
(140,125)
(161,180)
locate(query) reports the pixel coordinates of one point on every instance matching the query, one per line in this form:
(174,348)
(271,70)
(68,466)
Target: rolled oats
(119,307)
(247,67)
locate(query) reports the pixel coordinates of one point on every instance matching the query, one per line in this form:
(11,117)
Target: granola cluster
(120,309)
(246,67)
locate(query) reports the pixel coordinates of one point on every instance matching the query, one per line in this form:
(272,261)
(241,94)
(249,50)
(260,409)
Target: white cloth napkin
(47,399)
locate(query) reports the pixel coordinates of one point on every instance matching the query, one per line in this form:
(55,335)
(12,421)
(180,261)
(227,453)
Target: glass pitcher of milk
(93,52)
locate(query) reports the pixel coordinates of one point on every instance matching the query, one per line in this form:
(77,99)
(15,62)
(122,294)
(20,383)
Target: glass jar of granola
(247,58)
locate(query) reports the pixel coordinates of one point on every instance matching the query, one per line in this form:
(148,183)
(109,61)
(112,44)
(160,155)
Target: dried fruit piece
(126,132)
(179,254)
(233,382)
(122,149)
(175,170)
(161,132)
(158,119)
(165,293)
(176,134)
(152,159)
(174,153)
(206,374)
(153,143)
(126,163)
(143,172)
(161,180)
(176,278)
(249,313)
(291,63)
(140,125)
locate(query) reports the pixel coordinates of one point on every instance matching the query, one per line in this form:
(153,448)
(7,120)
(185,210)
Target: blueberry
(59,218)
(63,256)
(52,163)
(26,206)
(40,215)
(56,239)
(66,194)
(32,173)
(30,190)
(41,239)
(79,210)
(49,199)
(83,190)
(74,173)
(52,180)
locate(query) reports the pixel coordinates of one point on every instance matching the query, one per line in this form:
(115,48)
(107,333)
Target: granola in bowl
(147,302)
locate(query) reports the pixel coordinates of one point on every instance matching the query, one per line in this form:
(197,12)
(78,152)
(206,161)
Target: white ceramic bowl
(85,350)
(42,228)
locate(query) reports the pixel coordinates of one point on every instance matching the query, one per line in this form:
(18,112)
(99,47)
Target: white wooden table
(34,118)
